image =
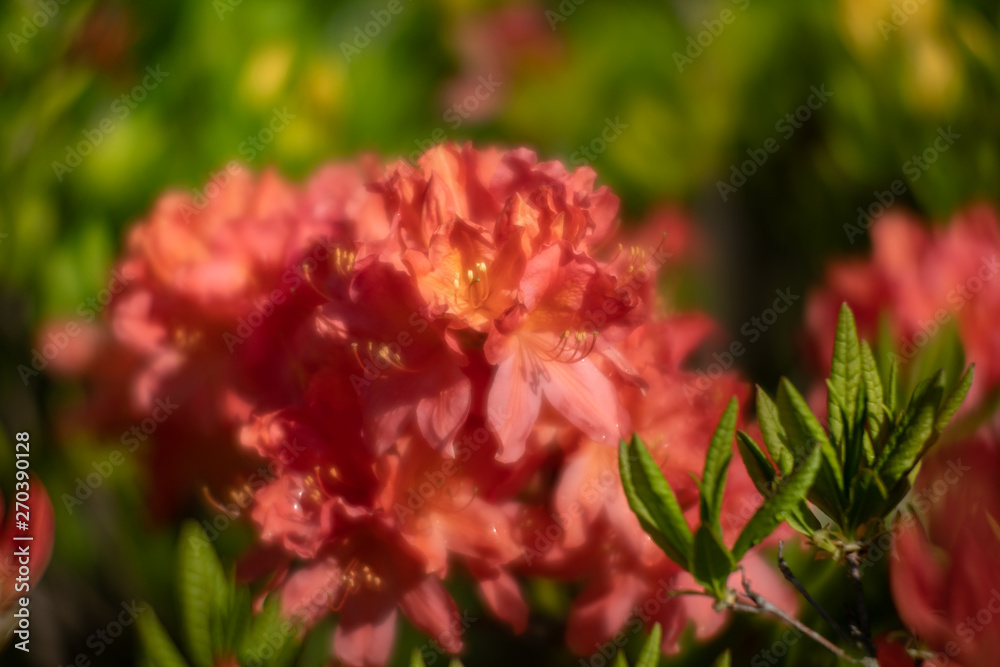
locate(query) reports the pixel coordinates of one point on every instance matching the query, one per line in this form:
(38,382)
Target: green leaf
(954,400)
(759,468)
(649,656)
(270,629)
(203,590)
(802,519)
(720,453)
(620,660)
(803,430)
(725,660)
(789,493)
(873,391)
(711,562)
(773,433)
(868,500)
(845,367)
(892,388)
(913,434)
(237,617)
(416,660)
(854,440)
(836,417)
(157,645)
(654,502)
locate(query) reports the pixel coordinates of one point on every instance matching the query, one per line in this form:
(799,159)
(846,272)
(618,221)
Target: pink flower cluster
(437,364)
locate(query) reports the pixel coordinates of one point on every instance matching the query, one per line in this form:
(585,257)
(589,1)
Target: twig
(790,576)
(854,570)
(764,606)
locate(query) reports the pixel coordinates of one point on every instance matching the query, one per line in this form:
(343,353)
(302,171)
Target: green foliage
(868,450)
(216,616)
(856,470)
(653,501)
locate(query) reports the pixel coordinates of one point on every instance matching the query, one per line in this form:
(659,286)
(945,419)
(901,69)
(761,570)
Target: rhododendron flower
(629,579)
(421,362)
(922,281)
(946,579)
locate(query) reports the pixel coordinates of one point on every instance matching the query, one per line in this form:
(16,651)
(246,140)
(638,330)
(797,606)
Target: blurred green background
(692,89)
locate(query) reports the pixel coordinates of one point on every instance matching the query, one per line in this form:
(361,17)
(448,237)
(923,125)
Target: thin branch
(763,605)
(790,576)
(854,570)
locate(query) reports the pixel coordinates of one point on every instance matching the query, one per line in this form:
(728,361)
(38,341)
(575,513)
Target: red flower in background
(921,280)
(22,562)
(946,578)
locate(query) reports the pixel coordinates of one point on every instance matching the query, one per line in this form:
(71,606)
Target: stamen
(219,506)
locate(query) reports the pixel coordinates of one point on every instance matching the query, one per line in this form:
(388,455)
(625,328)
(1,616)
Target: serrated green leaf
(158,647)
(788,494)
(914,432)
(802,519)
(803,430)
(203,590)
(649,656)
(845,366)
(854,439)
(724,660)
(711,561)
(835,417)
(720,453)
(758,467)
(775,438)
(653,501)
(873,391)
(954,400)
